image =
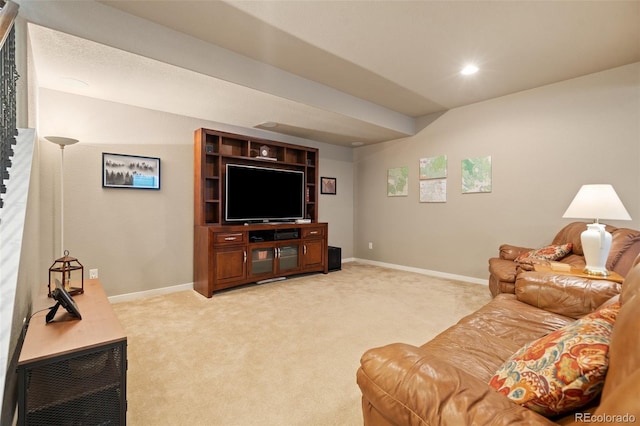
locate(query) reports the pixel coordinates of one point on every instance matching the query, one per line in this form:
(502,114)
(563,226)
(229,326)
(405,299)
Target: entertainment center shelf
(228,254)
(215,149)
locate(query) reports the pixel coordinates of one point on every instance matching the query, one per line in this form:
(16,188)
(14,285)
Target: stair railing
(8,80)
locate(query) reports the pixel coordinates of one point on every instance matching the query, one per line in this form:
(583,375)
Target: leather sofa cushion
(504,270)
(510,252)
(564,294)
(571,234)
(503,326)
(621,240)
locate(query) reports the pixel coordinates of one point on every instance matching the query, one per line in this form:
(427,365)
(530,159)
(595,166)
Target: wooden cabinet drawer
(229,238)
(313,232)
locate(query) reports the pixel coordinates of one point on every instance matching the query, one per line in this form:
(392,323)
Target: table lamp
(599,201)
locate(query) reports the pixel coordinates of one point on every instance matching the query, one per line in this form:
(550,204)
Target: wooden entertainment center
(228,254)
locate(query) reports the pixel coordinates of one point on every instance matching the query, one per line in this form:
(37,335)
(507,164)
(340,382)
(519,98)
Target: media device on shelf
(262,194)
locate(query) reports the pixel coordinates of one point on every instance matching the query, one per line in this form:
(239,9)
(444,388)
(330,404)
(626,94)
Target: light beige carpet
(283,353)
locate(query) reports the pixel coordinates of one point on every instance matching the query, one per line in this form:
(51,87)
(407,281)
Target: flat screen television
(262,194)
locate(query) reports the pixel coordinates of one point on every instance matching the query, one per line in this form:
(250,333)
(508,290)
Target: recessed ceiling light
(357,143)
(469,69)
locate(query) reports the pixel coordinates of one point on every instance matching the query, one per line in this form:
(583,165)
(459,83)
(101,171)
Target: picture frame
(476,175)
(130,171)
(398,181)
(328,185)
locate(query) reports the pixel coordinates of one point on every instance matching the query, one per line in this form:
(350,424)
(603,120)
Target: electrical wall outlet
(370,246)
(93,273)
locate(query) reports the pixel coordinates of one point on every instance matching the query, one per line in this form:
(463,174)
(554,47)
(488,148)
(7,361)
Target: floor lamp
(62,142)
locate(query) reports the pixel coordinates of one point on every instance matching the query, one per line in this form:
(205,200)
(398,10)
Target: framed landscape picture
(130,171)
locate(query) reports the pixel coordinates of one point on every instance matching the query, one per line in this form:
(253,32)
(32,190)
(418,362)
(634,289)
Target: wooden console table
(73,371)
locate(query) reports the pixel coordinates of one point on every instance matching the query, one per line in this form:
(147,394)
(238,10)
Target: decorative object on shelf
(599,201)
(476,175)
(130,171)
(328,185)
(70,271)
(62,142)
(62,297)
(265,153)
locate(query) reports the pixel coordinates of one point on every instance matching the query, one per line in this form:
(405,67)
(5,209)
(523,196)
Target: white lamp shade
(61,140)
(598,201)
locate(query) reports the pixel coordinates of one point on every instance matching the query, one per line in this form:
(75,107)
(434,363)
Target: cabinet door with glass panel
(274,258)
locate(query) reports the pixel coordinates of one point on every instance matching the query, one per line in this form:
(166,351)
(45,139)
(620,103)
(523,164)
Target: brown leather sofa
(445,381)
(625,246)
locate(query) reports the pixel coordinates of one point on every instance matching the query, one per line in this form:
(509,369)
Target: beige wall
(140,239)
(544,143)
(337,209)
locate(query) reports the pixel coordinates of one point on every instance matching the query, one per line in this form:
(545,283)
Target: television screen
(263,194)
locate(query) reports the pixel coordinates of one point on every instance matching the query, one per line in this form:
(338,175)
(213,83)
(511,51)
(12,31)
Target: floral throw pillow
(552,252)
(562,371)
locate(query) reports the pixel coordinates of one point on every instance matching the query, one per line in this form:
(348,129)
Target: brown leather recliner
(445,381)
(625,246)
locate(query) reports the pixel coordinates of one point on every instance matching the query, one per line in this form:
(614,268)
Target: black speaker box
(335,258)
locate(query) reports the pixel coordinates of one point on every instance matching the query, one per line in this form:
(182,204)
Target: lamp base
(596,243)
(596,272)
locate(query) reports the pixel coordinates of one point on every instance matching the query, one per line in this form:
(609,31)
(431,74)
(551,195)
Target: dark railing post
(8,95)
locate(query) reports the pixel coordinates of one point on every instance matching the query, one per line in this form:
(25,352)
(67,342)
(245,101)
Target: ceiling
(341,72)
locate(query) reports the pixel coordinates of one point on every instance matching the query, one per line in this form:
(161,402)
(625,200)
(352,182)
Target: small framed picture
(130,171)
(328,185)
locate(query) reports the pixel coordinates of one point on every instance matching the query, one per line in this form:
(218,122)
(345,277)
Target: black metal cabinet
(73,372)
(85,388)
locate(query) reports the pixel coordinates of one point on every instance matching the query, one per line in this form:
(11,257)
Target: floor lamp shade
(61,142)
(599,201)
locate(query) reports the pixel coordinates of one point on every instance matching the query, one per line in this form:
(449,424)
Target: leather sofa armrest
(566,295)
(409,386)
(509,252)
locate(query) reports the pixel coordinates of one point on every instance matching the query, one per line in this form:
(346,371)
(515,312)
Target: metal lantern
(70,272)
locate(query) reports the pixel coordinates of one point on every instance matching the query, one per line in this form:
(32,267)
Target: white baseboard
(189,286)
(148,293)
(438,274)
